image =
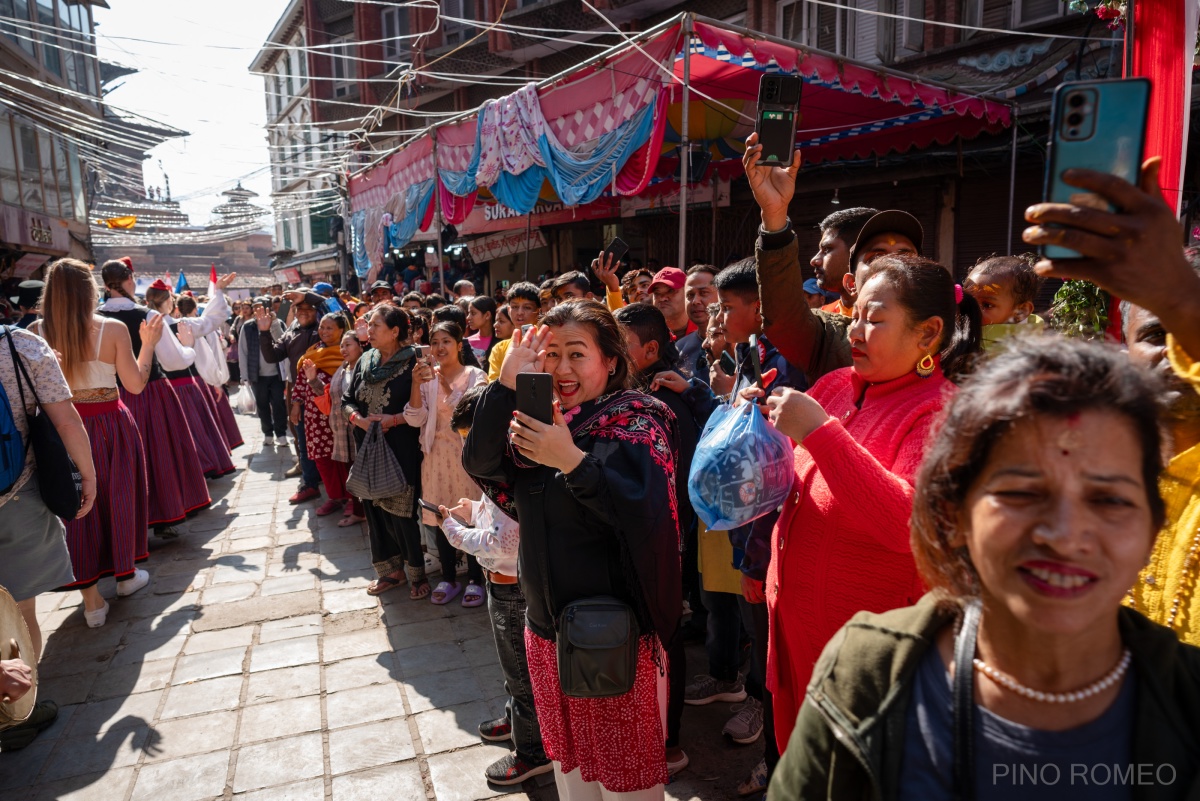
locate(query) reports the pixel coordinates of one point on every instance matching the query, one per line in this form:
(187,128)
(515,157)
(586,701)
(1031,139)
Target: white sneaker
(433,565)
(96,619)
(268,442)
(128,587)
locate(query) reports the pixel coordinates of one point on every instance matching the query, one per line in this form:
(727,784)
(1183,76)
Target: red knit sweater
(842,542)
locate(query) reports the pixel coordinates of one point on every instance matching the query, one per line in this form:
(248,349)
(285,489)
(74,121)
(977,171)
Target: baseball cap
(380,285)
(812,287)
(890,221)
(28,294)
(323,288)
(669,276)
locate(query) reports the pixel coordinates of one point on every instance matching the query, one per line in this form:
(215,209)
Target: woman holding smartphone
(594,493)
(439,381)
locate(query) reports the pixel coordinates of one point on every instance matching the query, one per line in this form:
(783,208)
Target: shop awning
(611,127)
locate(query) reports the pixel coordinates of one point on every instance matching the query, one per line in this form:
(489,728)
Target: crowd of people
(983,570)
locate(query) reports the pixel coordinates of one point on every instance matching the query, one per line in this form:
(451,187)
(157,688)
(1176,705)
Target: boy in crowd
(571,286)
(523,305)
(1005,288)
(412,301)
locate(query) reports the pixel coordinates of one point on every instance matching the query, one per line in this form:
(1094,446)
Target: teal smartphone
(1094,125)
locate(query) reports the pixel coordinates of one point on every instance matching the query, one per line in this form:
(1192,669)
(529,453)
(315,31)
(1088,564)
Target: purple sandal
(448,593)
(472,596)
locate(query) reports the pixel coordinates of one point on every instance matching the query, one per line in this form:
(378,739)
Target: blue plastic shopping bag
(742,469)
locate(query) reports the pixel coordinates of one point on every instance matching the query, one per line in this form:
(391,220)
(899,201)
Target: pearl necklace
(1095,688)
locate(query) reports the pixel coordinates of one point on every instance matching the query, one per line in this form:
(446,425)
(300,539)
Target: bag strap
(964,703)
(19,369)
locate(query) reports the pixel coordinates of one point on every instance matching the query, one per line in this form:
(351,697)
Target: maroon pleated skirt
(225,417)
(174,479)
(210,445)
(112,537)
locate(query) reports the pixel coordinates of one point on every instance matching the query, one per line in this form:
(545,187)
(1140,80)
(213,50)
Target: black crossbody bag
(597,648)
(59,479)
(964,703)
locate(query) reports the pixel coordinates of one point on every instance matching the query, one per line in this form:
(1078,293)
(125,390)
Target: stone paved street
(255,667)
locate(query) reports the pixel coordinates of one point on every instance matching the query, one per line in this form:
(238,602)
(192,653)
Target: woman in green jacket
(1035,508)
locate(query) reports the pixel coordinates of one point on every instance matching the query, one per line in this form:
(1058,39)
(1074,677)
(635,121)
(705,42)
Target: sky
(194,74)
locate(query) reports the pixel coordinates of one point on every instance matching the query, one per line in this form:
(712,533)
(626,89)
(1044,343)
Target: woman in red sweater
(842,542)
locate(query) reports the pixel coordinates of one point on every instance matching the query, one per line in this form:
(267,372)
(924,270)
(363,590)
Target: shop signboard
(505,243)
(489,217)
(28,230)
(700,196)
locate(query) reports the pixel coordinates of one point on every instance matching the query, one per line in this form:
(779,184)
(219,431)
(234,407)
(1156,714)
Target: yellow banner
(119,222)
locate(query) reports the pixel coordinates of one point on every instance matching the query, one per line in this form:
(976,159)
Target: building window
(342,65)
(911,32)
(840,31)
(395,35)
(18,32)
(10,189)
(49,179)
(1026,12)
(458,32)
(287,235)
(30,168)
(78,200)
(51,57)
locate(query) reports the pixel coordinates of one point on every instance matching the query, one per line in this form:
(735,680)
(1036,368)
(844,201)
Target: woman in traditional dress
(174,479)
(210,442)
(438,383)
(330,405)
(317,366)
(214,372)
(94,351)
(594,493)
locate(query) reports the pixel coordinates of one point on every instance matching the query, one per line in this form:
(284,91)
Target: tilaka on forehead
(1072,437)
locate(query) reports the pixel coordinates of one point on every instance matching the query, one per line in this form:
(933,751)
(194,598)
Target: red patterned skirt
(210,444)
(225,417)
(174,480)
(112,538)
(619,742)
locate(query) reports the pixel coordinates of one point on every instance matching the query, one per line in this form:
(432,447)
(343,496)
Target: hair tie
(958,293)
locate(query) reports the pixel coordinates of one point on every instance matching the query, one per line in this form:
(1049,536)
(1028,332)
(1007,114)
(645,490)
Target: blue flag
(182,283)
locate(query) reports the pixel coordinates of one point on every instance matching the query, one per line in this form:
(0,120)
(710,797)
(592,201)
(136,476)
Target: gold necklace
(1189,565)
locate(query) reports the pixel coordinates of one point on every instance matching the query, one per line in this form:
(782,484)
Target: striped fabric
(225,418)
(210,444)
(175,480)
(112,538)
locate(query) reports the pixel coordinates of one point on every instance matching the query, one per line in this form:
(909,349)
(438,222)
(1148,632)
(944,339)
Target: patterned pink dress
(318,437)
(443,479)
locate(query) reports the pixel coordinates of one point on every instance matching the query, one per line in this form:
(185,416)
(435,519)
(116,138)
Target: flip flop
(449,593)
(472,596)
(383,584)
(350,520)
(419,590)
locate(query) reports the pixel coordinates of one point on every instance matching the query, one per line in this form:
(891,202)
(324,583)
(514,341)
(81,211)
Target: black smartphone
(778,115)
(424,504)
(285,307)
(617,249)
(728,365)
(535,396)
(1094,125)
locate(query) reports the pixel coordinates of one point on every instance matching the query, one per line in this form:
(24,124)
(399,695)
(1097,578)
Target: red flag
(212,279)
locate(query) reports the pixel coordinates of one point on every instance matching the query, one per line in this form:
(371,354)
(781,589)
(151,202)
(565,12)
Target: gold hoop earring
(926,366)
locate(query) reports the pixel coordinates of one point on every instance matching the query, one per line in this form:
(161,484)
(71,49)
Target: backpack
(12,448)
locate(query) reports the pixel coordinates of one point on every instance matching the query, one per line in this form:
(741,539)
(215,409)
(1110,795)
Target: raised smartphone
(778,115)
(535,396)
(1094,125)
(424,504)
(617,249)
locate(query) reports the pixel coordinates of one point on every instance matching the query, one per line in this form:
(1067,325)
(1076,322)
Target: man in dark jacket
(292,345)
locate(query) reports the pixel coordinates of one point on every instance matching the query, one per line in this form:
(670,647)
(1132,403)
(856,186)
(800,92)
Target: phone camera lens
(1075,101)
(1075,120)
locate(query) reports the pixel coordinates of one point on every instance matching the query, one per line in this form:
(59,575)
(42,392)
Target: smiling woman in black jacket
(594,493)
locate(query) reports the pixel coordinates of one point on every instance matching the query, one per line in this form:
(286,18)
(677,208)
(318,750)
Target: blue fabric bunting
(358,243)
(416,205)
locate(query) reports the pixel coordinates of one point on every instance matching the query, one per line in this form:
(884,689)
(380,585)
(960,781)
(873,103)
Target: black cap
(380,285)
(890,221)
(28,294)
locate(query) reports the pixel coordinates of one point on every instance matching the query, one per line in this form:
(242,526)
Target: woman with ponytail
(842,541)
(174,480)
(211,446)
(94,352)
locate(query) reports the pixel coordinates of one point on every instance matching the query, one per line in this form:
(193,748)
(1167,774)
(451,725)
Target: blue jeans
(506,605)
(309,477)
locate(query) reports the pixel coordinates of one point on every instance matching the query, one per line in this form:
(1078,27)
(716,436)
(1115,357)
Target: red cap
(160,284)
(669,276)
(128,262)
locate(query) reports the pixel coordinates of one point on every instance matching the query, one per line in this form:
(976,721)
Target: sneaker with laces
(433,565)
(746,725)
(705,690)
(514,769)
(756,782)
(496,731)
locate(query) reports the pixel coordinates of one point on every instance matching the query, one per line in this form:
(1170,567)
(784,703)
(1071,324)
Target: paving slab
(277,719)
(394,781)
(274,685)
(280,762)
(369,746)
(192,778)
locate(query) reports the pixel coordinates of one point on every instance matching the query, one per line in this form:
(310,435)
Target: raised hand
(773,187)
(262,318)
(527,354)
(225,280)
(151,330)
(605,267)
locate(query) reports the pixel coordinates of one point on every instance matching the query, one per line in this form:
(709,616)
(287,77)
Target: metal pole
(712,258)
(684,151)
(437,218)
(1012,184)
(528,234)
